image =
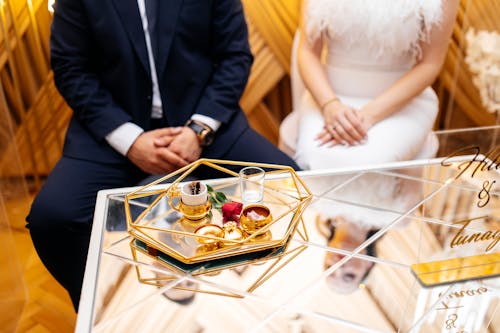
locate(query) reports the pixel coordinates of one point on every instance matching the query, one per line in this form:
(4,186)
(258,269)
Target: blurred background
(33,120)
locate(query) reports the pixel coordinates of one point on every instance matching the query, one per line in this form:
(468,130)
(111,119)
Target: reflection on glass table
(354,269)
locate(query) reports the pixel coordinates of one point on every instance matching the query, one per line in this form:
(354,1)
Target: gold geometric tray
(162,228)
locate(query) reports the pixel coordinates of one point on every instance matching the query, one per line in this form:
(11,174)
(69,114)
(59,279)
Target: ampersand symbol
(450,323)
(484,194)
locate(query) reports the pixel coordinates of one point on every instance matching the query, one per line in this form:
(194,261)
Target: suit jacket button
(149,97)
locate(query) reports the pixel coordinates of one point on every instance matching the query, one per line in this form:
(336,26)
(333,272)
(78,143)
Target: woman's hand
(343,125)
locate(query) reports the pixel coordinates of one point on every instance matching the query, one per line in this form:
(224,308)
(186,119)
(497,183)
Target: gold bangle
(334,99)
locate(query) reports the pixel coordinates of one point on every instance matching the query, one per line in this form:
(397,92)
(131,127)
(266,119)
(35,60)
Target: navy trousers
(60,219)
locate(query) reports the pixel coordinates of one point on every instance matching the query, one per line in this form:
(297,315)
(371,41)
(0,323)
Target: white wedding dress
(370,45)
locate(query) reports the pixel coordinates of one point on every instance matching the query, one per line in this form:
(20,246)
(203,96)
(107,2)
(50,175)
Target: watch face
(205,135)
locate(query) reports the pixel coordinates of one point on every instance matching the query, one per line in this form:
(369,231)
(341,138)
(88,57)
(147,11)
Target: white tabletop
(299,296)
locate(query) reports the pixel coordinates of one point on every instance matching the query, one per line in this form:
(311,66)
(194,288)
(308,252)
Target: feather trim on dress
(394,26)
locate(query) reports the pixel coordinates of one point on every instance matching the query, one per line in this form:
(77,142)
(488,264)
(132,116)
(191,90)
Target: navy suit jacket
(100,63)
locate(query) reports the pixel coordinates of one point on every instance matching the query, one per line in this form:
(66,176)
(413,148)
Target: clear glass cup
(252,184)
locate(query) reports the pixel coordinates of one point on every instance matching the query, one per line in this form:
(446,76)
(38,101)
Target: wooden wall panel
(34,113)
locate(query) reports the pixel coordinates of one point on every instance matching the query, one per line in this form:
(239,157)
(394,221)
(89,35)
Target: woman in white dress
(370,98)
(367,66)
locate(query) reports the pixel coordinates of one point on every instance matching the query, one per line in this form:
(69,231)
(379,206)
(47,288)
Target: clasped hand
(164,150)
(343,125)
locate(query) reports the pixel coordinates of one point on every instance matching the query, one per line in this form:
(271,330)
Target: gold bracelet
(334,99)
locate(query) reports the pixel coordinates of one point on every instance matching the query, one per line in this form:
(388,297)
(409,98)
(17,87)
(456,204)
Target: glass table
(404,247)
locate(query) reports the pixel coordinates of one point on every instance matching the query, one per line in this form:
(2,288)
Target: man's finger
(167,131)
(170,157)
(155,170)
(160,166)
(163,141)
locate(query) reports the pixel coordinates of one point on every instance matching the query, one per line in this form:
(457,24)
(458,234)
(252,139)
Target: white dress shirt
(122,138)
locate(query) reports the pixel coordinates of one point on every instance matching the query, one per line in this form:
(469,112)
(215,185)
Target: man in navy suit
(154,85)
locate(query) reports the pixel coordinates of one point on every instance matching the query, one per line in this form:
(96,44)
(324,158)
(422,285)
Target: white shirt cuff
(122,138)
(210,122)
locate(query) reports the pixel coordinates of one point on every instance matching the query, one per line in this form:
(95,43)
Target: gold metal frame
(145,233)
(300,197)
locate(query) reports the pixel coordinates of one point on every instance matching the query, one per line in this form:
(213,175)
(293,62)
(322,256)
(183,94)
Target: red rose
(231,211)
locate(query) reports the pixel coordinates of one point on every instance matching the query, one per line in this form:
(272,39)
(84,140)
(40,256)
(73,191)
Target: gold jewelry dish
(252,224)
(205,245)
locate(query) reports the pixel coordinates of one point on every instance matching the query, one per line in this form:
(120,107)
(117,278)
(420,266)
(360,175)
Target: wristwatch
(204,133)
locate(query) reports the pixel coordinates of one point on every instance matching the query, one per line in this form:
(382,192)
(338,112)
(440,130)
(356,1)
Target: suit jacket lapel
(128,11)
(168,12)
